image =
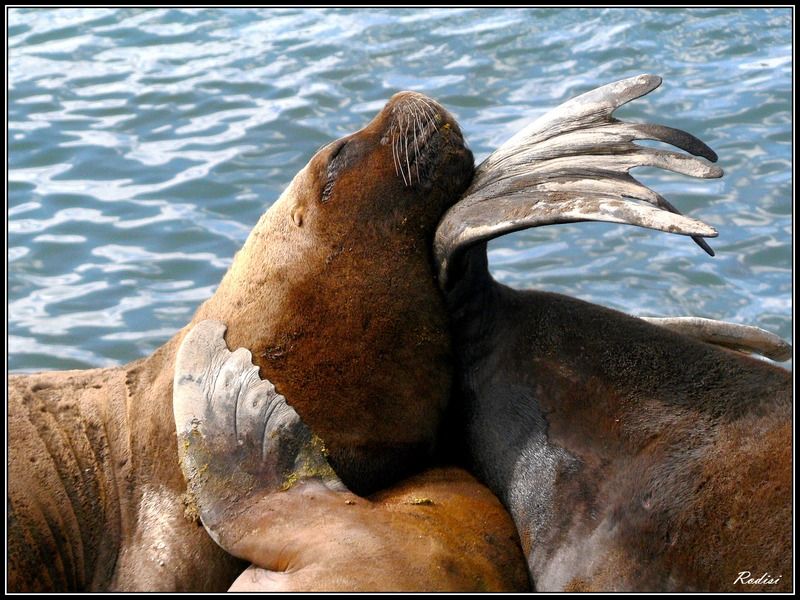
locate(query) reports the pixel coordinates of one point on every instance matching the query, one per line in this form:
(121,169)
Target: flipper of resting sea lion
(262,486)
(744,338)
(631,457)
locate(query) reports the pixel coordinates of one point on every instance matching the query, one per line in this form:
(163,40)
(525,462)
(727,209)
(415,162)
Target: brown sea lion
(333,292)
(334,289)
(631,457)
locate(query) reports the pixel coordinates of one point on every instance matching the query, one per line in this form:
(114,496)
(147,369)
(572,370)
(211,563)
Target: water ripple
(143,144)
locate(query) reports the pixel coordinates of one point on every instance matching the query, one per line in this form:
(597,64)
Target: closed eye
(336,163)
(340,144)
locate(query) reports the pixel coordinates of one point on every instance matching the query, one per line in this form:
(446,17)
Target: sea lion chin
(335,293)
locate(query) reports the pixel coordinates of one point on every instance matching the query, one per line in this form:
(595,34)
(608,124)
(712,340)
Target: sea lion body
(632,458)
(439,531)
(333,290)
(64,499)
(95,494)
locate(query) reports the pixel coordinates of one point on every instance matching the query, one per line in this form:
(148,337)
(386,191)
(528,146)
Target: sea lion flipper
(744,338)
(572,164)
(238,439)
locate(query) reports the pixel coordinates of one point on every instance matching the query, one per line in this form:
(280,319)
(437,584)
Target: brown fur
(94,488)
(439,531)
(54,504)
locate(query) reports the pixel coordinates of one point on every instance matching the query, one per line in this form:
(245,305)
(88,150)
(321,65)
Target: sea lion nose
(417,104)
(409,96)
(422,136)
(409,110)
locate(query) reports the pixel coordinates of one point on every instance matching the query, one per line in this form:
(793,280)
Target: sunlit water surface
(144,145)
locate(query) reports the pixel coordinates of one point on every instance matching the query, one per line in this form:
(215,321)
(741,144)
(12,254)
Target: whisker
(394,153)
(432,120)
(408,163)
(416,142)
(432,112)
(399,157)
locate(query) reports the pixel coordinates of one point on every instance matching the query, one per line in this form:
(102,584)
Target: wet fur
(95,494)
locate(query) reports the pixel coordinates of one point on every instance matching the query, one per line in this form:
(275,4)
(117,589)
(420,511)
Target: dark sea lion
(631,457)
(262,485)
(333,291)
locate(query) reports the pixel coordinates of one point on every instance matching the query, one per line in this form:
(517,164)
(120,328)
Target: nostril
(405,96)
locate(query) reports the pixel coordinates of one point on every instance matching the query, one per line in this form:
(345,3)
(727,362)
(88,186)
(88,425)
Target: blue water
(144,144)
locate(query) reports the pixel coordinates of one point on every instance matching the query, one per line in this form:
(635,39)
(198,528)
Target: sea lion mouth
(416,135)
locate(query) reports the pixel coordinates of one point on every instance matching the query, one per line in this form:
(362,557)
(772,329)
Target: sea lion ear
(743,338)
(572,165)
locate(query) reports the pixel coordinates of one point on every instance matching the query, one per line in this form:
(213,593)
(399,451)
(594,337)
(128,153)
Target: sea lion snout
(425,140)
(404,103)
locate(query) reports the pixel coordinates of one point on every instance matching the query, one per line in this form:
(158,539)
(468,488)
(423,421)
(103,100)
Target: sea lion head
(335,291)
(407,166)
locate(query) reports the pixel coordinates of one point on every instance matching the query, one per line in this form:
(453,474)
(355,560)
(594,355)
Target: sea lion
(333,292)
(335,289)
(631,457)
